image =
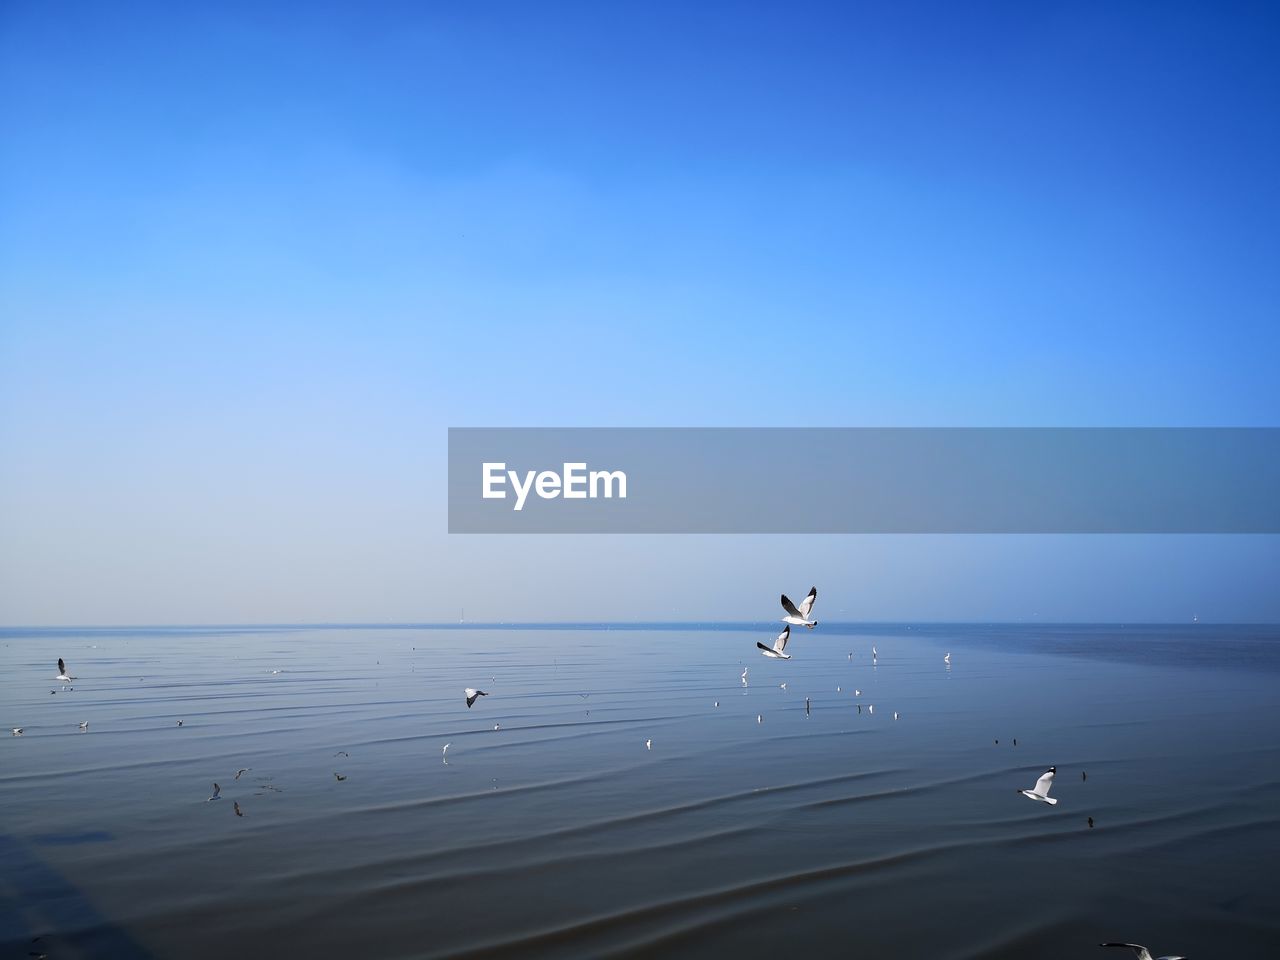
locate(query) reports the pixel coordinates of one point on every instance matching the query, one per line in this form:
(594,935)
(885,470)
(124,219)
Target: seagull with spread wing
(1141,952)
(1041,790)
(799,616)
(778,650)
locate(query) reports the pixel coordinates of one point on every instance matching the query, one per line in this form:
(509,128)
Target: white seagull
(778,650)
(62,672)
(648,744)
(444,754)
(947,658)
(84,724)
(217,793)
(17,731)
(1041,790)
(1141,952)
(875,654)
(744,675)
(799,616)
(472,694)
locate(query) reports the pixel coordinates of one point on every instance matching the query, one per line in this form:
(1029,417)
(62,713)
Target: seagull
(857,692)
(337,776)
(875,655)
(342,753)
(744,675)
(759,718)
(17,731)
(648,744)
(1084,775)
(62,672)
(1015,741)
(179,723)
(1041,790)
(217,793)
(1091,823)
(782,686)
(444,754)
(84,724)
(806,706)
(895,714)
(716,704)
(242,770)
(799,616)
(236,804)
(871,708)
(947,658)
(777,651)
(472,693)
(497,726)
(1141,952)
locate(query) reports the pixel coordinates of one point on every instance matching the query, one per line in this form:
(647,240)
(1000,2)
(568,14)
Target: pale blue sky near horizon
(255,259)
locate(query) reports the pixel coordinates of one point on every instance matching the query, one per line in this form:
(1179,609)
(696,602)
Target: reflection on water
(758,817)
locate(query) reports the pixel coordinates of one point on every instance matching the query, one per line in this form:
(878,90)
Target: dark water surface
(560,834)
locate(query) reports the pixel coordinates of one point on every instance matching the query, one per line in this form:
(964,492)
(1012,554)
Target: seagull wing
(1139,950)
(1044,783)
(781,643)
(807,603)
(790,607)
(62,667)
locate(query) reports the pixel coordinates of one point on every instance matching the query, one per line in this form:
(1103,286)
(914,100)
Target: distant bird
(778,650)
(759,718)
(62,672)
(997,741)
(1141,952)
(497,726)
(1083,775)
(806,706)
(871,708)
(782,686)
(851,657)
(17,731)
(744,675)
(472,693)
(242,771)
(179,723)
(857,692)
(1091,823)
(1041,790)
(716,704)
(342,753)
(799,616)
(444,754)
(84,724)
(236,804)
(217,793)
(648,744)
(895,714)
(1015,741)
(337,776)
(947,658)
(859,706)
(875,654)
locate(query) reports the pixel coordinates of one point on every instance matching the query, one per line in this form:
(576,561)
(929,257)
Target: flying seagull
(648,744)
(17,731)
(744,675)
(1141,952)
(236,804)
(444,754)
(778,650)
(1091,823)
(947,658)
(241,771)
(179,723)
(62,672)
(84,724)
(875,655)
(339,777)
(799,616)
(472,694)
(1041,790)
(217,793)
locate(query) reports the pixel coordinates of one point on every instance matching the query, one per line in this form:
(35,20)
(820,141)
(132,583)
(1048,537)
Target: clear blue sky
(255,259)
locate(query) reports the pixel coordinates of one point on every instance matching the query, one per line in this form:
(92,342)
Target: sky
(255,259)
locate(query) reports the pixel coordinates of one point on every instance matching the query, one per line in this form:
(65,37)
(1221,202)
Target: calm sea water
(749,828)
